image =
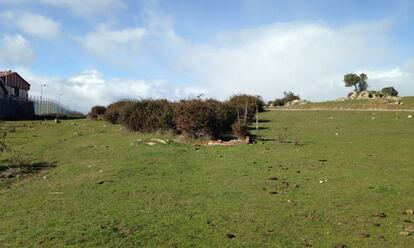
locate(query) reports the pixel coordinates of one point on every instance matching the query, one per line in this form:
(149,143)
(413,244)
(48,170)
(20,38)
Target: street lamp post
(41,98)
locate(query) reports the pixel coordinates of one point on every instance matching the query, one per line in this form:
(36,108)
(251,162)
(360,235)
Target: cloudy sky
(98,51)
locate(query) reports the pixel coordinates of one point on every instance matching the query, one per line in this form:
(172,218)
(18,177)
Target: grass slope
(408,103)
(109,190)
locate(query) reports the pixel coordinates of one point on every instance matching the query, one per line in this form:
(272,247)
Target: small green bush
(148,115)
(390,91)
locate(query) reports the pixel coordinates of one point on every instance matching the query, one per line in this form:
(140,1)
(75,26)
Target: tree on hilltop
(358,81)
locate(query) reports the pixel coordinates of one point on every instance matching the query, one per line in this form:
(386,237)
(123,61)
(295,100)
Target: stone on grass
(409,211)
(159,140)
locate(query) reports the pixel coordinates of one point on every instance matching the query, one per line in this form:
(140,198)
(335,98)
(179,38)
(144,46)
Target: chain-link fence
(45,106)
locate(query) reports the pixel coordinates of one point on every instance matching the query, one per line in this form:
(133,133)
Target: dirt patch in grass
(10,173)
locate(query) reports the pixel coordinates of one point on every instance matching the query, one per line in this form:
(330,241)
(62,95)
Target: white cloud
(15,51)
(401,77)
(32,24)
(91,88)
(88,8)
(308,58)
(120,46)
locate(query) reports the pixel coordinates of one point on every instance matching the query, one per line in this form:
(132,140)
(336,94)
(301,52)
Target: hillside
(408,104)
(314,178)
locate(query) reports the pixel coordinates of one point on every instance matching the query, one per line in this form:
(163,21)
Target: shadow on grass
(260,128)
(263,121)
(22,170)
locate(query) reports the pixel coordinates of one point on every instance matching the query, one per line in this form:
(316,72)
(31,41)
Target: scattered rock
(405,234)
(159,140)
(380,215)
(273,178)
(296,103)
(364,235)
(410,116)
(56,193)
(285,183)
(227,143)
(409,229)
(409,211)
(307,243)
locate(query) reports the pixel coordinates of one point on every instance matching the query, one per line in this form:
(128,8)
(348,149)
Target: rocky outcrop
(374,95)
(296,103)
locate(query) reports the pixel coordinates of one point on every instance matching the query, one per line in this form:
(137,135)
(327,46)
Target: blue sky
(99,51)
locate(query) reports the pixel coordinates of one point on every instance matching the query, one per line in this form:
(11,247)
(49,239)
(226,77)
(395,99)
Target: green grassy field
(408,104)
(109,189)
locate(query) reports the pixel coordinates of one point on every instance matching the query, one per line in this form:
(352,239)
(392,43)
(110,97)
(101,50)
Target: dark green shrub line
(194,118)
